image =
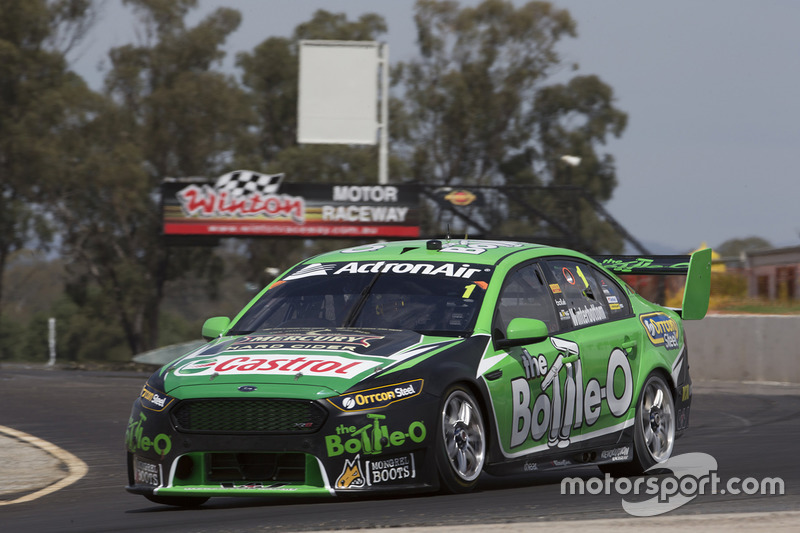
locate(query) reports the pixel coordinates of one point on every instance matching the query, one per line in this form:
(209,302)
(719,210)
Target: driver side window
(524,295)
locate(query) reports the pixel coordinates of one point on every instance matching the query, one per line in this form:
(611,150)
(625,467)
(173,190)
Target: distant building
(773,274)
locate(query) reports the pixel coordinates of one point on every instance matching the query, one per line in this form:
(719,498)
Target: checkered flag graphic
(245,182)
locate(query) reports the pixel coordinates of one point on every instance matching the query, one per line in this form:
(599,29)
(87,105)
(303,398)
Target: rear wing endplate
(696,267)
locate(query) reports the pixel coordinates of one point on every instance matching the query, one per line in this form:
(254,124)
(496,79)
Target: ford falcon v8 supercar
(418,365)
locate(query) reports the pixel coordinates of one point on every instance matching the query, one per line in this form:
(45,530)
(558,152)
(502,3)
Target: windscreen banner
(250,204)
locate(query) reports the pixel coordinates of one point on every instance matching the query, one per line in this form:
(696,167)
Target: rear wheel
(461,441)
(654,429)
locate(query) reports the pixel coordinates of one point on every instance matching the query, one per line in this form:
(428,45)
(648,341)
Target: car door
(597,329)
(526,382)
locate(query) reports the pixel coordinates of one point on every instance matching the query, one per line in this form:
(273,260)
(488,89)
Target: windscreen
(430,298)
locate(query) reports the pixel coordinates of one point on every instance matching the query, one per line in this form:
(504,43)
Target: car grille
(235,468)
(252,416)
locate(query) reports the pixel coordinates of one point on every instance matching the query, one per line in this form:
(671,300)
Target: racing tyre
(461,441)
(178,501)
(654,429)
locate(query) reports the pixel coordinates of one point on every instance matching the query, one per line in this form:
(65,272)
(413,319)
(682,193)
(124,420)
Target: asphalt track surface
(753,431)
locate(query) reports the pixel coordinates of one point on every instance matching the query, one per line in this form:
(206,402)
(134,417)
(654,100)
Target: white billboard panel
(338,92)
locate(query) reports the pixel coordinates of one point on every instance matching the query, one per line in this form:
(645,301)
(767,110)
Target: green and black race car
(418,365)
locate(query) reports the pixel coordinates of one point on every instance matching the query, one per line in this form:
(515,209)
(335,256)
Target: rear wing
(696,267)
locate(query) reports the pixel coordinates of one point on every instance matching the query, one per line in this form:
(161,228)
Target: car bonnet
(296,363)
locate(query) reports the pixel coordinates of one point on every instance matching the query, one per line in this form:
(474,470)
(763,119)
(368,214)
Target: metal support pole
(383,150)
(51,338)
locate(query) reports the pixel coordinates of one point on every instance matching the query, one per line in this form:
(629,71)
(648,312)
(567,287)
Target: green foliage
(480,112)
(734,247)
(11,340)
(168,114)
(39,97)
(758,307)
(728,284)
(270,75)
(475,108)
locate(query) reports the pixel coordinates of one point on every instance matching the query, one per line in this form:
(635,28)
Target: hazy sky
(711,88)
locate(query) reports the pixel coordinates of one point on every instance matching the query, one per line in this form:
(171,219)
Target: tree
(480,112)
(270,75)
(38,95)
(168,114)
(735,247)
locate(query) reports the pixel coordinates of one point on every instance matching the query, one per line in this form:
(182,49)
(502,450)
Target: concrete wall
(744,348)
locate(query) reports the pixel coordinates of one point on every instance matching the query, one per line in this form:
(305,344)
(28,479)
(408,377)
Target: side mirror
(523,331)
(213,327)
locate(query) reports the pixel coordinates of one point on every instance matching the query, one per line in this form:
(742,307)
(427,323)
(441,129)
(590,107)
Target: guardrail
(764,348)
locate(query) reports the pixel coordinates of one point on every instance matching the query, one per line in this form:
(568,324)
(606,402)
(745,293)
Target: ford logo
(247,388)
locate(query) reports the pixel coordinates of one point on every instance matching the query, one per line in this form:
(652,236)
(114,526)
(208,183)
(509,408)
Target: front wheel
(461,441)
(654,429)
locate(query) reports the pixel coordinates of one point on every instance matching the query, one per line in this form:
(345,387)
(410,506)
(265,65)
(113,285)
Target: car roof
(480,251)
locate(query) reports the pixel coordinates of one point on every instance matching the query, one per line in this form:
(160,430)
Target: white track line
(76,468)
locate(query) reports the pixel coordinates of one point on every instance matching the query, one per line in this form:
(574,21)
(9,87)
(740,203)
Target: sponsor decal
(622,453)
(309,271)
(530,467)
(612,299)
(351,476)
(589,314)
(460,198)
(477,248)
(256,486)
(555,288)
(604,287)
(365,248)
(303,341)
(683,419)
(375,471)
(154,399)
(145,473)
(615,307)
(450,270)
(138,441)
(570,407)
(661,329)
(629,264)
(372,438)
(328,366)
(564,315)
(561,302)
(378,397)
(686,392)
(390,469)
(561,462)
